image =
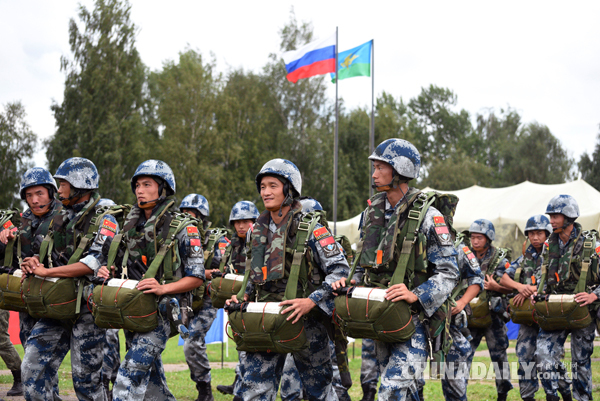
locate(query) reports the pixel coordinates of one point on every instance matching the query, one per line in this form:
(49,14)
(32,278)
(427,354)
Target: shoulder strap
(87,239)
(588,251)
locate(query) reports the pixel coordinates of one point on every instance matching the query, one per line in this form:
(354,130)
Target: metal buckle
(414,214)
(303,226)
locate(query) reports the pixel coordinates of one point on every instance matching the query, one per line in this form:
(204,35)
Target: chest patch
(192,232)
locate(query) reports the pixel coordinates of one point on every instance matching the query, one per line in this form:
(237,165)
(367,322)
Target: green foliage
(101,116)
(589,166)
(17,143)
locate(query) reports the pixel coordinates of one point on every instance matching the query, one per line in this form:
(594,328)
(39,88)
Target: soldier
(37,189)
(455,386)
(279,183)
(50,339)
(141,374)
(194,347)
(565,252)
(492,261)
(395,163)
(243,215)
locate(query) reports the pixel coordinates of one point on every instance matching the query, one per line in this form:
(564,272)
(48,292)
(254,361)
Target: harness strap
(305,227)
(588,249)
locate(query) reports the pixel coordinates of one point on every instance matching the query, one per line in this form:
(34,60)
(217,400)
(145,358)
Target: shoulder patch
(109,225)
(442,232)
(598,250)
(193,231)
(195,247)
(9,226)
(439,220)
(467,251)
(222,246)
(329,247)
(320,233)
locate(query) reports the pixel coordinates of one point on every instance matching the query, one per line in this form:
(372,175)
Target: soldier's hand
(30,264)
(341,283)
(519,299)
(151,286)
(6,235)
(208,273)
(490,283)
(526,290)
(460,305)
(299,307)
(399,292)
(104,273)
(583,298)
(235,300)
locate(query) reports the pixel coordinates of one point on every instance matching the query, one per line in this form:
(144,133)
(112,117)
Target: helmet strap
(395,183)
(74,196)
(152,203)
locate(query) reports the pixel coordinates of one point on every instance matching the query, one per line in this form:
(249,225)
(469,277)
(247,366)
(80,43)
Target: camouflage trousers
(49,342)
(496,337)
(141,374)
(402,365)
(239,373)
(550,349)
(194,347)
(263,370)
(454,382)
(112,355)
(369,374)
(26,324)
(8,353)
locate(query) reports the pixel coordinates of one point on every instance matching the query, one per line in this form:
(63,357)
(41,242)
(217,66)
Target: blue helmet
(105,202)
(155,168)
(563,204)
(36,176)
(310,205)
(243,210)
(401,155)
(485,227)
(81,173)
(282,168)
(195,202)
(538,222)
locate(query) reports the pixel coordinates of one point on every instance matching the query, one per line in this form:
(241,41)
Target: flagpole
(335,139)
(372,136)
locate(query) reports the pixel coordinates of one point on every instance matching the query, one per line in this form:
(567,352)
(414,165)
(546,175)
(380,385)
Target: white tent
(508,206)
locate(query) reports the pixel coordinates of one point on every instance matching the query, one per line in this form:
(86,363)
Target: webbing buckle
(414,214)
(303,226)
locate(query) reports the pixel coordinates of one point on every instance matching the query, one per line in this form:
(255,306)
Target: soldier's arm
(97,255)
(442,255)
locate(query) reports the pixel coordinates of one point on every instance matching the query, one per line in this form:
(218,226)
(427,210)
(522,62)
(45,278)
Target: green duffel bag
(363,312)
(260,327)
(198,297)
(10,292)
(481,317)
(561,312)
(50,297)
(117,304)
(522,314)
(224,287)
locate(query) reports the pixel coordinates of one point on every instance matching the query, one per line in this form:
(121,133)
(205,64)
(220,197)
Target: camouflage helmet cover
(282,168)
(538,222)
(485,227)
(243,210)
(195,202)
(402,155)
(105,202)
(81,173)
(563,204)
(310,205)
(155,168)
(36,176)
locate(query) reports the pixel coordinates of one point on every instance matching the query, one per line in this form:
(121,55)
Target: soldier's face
(382,173)
(478,241)
(242,227)
(37,198)
(191,212)
(64,189)
(536,237)
(146,189)
(271,192)
(557,220)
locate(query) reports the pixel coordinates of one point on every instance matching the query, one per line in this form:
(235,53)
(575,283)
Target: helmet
(36,176)
(81,173)
(563,204)
(195,202)
(105,202)
(538,222)
(243,210)
(282,168)
(401,155)
(155,168)
(310,205)
(485,227)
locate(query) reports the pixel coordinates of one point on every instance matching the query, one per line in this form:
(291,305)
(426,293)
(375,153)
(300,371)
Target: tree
(589,166)
(102,114)
(17,144)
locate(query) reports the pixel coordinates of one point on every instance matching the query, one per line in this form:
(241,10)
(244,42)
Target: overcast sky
(540,58)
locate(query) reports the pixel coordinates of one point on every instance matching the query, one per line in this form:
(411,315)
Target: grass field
(184,389)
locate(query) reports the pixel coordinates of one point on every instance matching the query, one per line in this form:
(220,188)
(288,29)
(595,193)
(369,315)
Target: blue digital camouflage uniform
(496,336)
(50,340)
(454,383)
(401,365)
(112,355)
(550,344)
(369,373)
(141,374)
(262,371)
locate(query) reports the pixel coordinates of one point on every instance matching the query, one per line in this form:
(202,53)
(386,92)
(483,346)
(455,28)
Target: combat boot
(227,389)
(17,388)
(550,397)
(528,399)
(502,396)
(369,391)
(204,391)
(566,396)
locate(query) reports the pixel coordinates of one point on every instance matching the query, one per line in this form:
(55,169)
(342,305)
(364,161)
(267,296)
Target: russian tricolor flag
(316,58)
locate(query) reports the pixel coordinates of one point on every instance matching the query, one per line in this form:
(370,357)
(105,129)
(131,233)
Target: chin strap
(566,224)
(74,197)
(150,204)
(393,184)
